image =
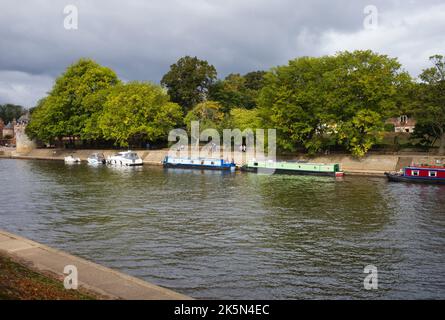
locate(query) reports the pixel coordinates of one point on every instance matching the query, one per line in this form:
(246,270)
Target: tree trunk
(442,144)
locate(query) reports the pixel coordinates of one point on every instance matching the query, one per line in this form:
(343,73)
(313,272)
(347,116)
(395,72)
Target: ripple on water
(235,236)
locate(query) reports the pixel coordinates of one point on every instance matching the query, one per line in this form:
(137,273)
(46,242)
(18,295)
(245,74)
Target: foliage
(209,114)
(63,113)
(188,81)
(429,107)
(238,91)
(138,111)
(245,119)
(320,102)
(9,112)
(361,132)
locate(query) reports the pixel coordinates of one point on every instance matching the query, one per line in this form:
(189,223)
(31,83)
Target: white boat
(96,159)
(71,159)
(126,158)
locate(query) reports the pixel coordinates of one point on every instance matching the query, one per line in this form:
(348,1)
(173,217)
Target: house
(2,125)
(8,131)
(403,124)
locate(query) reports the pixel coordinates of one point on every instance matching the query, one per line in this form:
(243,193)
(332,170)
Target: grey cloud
(140,39)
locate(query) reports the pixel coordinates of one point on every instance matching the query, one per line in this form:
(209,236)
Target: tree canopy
(9,112)
(209,114)
(316,103)
(138,112)
(237,91)
(188,81)
(429,105)
(64,113)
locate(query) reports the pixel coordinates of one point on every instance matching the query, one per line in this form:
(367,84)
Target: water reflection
(230,235)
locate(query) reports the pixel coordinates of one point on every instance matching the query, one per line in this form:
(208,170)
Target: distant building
(22,141)
(403,124)
(2,125)
(8,130)
(24,119)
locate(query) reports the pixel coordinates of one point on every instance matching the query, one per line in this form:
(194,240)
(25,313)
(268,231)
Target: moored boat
(126,158)
(71,159)
(198,163)
(295,168)
(419,174)
(96,159)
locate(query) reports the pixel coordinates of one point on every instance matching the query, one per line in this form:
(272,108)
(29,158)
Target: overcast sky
(140,39)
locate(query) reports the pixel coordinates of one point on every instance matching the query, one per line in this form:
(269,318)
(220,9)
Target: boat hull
(198,167)
(291,172)
(399,178)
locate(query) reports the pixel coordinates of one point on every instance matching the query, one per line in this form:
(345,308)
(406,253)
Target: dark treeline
(316,104)
(10,112)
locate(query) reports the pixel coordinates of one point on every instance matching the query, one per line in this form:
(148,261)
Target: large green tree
(188,81)
(342,100)
(429,107)
(64,113)
(138,112)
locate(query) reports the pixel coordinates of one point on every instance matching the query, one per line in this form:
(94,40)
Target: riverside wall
(372,164)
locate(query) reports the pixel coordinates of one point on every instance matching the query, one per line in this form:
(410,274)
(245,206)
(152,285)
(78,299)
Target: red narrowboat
(419,174)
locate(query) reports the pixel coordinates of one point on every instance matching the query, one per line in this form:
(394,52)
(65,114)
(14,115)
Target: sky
(140,39)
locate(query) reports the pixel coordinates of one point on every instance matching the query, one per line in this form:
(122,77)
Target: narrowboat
(419,174)
(295,168)
(198,163)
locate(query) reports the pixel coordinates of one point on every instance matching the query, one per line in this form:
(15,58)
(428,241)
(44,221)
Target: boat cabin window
(415,173)
(433,174)
(255,164)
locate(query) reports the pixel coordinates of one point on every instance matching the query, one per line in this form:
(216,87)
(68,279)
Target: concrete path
(107,282)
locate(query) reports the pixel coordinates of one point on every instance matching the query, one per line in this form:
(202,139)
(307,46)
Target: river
(235,235)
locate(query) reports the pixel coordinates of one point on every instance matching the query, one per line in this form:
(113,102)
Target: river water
(235,236)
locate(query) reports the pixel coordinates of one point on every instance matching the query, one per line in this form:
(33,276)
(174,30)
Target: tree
(320,102)
(209,114)
(188,81)
(138,112)
(361,132)
(63,113)
(243,119)
(238,91)
(293,101)
(9,112)
(429,108)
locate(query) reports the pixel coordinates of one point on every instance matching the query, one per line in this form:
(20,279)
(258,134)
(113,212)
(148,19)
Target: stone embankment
(375,165)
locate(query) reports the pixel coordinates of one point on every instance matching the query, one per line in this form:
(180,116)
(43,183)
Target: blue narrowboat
(198,163)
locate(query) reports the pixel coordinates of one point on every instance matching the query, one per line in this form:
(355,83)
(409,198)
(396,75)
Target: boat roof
(208,159)
(297,162)
(435,168)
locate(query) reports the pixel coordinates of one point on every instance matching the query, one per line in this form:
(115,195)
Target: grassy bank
(18,282)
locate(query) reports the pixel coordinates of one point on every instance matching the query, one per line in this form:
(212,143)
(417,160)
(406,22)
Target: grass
(18,282)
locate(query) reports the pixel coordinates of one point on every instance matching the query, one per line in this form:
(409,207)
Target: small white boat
(126,158)
(96,159)
(71,159)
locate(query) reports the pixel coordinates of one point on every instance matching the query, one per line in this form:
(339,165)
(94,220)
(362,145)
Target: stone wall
(369,165)
(23,143)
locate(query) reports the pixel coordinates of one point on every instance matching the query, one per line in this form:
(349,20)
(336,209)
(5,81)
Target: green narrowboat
(297,168)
